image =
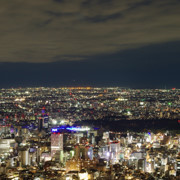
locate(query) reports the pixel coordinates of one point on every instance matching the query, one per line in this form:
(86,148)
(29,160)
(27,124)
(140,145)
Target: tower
(24,156)
(57,146)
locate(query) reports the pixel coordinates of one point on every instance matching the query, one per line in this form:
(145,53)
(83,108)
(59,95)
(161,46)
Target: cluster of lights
(78,128)
(70,129)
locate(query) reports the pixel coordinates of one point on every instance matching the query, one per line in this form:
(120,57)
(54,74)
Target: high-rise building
(178,165)
(57,146)
(115,151)
(24,156)
(40,123)
(141,165)
(43,122)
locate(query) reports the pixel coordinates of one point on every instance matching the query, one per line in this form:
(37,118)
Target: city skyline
(89,133)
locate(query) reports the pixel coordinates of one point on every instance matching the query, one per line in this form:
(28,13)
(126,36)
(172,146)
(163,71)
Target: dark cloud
(138,4)
(99,18)
(44,23)
(59,1)
(41,31)
(59,14)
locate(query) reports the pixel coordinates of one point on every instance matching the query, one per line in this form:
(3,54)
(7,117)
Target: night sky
(126,43)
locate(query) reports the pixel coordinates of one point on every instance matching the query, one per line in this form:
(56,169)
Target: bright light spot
(54,121)
(108,154)
(141,103)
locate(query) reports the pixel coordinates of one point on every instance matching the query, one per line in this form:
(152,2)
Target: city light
(86,134)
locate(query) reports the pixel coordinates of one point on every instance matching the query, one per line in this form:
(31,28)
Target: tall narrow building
(57,146)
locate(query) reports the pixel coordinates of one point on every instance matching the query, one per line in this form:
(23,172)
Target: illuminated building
(78,164)
(90,153)
(178,165)
(78,136)
(43,122)
(82,151)
(104,152)
(106,137)
(6,145)
(24,156)
(83,175)
(71,128)
(141,165)
(115,152)
(57,146)
(45,156)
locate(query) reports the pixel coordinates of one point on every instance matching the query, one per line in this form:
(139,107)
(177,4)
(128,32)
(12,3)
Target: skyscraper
(57,146)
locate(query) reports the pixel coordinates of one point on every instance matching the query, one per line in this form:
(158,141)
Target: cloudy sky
(132,43)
